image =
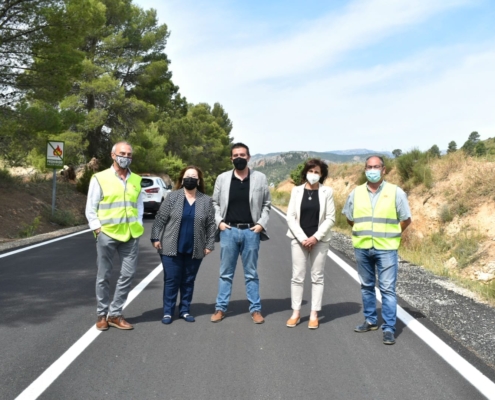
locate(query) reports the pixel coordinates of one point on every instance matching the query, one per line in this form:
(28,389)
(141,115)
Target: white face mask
(312,178)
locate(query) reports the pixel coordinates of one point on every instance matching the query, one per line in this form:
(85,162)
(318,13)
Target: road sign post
(54,159)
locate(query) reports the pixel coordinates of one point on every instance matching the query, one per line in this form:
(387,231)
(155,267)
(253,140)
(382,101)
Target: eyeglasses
(370,167)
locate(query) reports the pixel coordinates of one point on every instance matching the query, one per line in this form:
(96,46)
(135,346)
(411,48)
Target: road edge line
(43,243)
(40,384)
(469,372)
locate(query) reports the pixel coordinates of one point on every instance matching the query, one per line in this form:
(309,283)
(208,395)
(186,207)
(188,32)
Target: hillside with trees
(93,72)
(452,204)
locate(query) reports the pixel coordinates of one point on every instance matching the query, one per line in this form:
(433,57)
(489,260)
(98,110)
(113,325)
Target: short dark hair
(237,145)
(314,162)
(201,181)
(379,157)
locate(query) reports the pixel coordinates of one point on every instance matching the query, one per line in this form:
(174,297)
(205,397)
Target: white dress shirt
(95,195)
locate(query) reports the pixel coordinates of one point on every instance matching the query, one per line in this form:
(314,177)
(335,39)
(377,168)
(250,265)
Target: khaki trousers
(316,258)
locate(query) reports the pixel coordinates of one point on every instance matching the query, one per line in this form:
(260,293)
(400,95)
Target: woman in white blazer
(310,216)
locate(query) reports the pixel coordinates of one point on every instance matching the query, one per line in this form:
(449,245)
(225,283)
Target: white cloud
(282,92)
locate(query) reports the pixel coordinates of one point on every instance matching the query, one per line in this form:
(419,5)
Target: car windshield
(146,182)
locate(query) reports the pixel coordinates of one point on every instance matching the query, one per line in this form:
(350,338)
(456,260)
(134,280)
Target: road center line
(467,370)
(36,388)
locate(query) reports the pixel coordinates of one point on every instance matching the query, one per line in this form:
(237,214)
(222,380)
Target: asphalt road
(47,303)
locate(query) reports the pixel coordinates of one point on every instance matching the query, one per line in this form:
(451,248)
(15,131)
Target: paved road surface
(47,302)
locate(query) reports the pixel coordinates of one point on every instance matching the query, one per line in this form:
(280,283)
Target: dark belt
(241,225)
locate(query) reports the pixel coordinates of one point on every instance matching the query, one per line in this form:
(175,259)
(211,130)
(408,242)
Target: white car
(154,191)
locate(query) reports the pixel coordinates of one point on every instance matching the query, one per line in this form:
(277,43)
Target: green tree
(452,147)
(149,153)
(480,149)
(295,174)
(397,153)
(39,43)
(125,83)
(25,128)
(434,151)
(469,146)
(198,139)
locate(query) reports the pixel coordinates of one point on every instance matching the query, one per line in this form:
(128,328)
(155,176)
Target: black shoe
(388,337)
(365,327)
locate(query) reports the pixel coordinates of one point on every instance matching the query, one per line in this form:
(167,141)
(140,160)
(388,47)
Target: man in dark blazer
(242,205)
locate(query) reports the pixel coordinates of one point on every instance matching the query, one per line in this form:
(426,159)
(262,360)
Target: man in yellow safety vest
(114,210)
(378,212)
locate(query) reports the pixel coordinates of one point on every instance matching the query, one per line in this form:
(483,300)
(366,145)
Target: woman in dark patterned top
(183,233)
(310,215)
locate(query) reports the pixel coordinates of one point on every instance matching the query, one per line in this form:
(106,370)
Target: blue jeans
(385,263)
(232,243)
(179,272)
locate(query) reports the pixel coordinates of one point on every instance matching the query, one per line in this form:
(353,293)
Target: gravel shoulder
(453,309)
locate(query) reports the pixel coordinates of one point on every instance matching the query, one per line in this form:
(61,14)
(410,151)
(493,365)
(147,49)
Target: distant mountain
(278,166)
(360,151)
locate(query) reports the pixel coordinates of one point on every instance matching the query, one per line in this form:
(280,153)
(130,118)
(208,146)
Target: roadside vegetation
(452,203)
(26,204)
(91,73)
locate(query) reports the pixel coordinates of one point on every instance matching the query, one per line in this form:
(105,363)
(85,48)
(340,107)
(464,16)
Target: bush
(280,198)
(65,218)
(30,230)
(340,219)
(82,184)
(445,214)
(6,179)
(413,167)
(466,248)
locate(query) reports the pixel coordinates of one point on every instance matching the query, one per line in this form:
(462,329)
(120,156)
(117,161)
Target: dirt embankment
(458,208)
(26,205)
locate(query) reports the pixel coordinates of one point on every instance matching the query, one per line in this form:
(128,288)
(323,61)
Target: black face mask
(190,183)
(240,163)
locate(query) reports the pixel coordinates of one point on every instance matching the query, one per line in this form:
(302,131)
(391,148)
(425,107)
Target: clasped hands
(309,242)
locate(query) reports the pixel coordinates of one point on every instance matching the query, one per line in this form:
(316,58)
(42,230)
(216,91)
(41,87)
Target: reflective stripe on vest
(379,227)
(117,211)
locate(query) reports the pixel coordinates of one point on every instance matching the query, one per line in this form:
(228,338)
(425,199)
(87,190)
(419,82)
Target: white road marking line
(43,243)
(468,371)
(36,388)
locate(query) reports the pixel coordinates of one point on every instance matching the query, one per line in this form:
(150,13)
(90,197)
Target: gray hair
(114,147)
(379,157)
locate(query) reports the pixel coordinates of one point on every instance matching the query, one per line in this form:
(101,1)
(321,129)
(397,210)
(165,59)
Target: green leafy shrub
(29,230)
(413,167)
(65,218)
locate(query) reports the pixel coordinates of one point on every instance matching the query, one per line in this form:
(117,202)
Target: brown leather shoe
(217,316)
(101,323)
(313,324)
(292,322)
(257,317)
(119,322)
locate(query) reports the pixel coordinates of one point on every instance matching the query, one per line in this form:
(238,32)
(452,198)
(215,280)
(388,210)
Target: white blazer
(327,214)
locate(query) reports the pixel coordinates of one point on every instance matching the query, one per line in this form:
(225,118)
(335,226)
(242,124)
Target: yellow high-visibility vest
(117,211)
(380,227)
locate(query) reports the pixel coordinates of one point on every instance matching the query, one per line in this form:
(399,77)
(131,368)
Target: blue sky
(335,75)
